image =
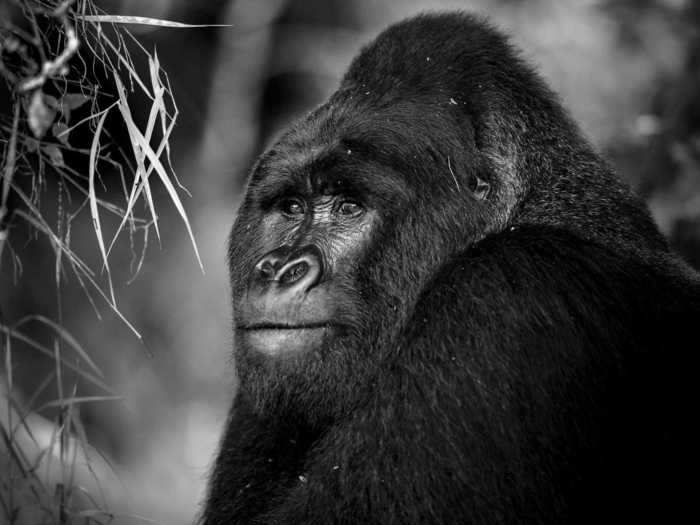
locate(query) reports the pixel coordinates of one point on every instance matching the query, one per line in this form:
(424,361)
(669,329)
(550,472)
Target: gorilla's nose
(291,271)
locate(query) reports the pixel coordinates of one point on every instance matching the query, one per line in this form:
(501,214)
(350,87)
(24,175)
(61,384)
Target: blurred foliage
(662,158)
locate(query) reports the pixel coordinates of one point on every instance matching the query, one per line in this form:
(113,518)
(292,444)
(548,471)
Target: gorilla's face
(301,266)
(313,229)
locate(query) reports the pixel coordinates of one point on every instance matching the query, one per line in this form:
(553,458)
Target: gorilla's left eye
(350,207)
(292,206)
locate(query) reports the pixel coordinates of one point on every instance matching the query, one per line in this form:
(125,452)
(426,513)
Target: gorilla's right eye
(350,207)
(292,206)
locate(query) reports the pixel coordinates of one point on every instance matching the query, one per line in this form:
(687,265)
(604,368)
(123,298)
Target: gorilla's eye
(350,207)
(292,206)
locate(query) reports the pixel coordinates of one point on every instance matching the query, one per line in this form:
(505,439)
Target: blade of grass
(167,122)
(141,175)
(94,210)
(67,130)
(32,343)
(39,224)
(156,164)
(79,267)
(143,20)
(67,337)
(79,399)
(133,75)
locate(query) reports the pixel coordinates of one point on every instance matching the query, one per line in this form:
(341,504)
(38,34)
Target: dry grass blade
(143,20)
(63,334)
(79,399)
(79,267)
(94,211)
(141,174)
(37,221)
(32,343)
(142,143)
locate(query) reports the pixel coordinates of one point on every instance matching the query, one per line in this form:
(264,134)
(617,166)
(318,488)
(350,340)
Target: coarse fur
(518,332)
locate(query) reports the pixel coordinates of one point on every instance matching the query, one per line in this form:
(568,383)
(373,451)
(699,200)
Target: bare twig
(7,174)
(51,68)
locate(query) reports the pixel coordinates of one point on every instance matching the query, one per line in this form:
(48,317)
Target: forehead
(341,166)
(353,141)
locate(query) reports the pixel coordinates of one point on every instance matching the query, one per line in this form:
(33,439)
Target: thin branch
(8,173)
(51,68)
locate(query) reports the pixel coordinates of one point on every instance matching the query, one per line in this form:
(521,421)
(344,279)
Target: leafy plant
(54,57)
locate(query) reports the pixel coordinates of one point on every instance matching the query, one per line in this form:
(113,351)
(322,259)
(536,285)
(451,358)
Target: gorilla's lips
(279,339)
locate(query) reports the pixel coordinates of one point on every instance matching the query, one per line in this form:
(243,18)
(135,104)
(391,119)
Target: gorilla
(449,309)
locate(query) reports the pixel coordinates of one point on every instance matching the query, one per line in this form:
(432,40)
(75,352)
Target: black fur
(520,352)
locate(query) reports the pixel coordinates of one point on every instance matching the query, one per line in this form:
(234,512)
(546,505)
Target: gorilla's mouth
(276,339)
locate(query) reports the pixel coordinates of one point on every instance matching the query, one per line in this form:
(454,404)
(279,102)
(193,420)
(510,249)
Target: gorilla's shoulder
(557,275)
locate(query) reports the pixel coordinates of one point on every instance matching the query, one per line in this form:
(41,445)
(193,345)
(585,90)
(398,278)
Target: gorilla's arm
(547,343)
(241,479)
(259,460)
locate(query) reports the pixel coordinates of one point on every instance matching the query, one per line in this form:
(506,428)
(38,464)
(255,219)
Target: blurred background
(629,71)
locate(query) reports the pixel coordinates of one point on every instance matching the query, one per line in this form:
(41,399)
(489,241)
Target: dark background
(628,70)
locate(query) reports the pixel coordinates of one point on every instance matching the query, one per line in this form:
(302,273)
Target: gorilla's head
(438,136)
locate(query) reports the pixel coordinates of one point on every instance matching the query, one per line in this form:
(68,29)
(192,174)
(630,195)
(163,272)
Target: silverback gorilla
(448,309)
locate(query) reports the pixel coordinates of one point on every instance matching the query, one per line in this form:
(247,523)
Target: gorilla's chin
(278,341)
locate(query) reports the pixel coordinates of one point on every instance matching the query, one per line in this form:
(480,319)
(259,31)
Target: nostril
(294,272)
(280,269)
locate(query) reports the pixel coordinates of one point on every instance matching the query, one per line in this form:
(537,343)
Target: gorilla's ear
(479,187)
(494,178)
(501,184)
